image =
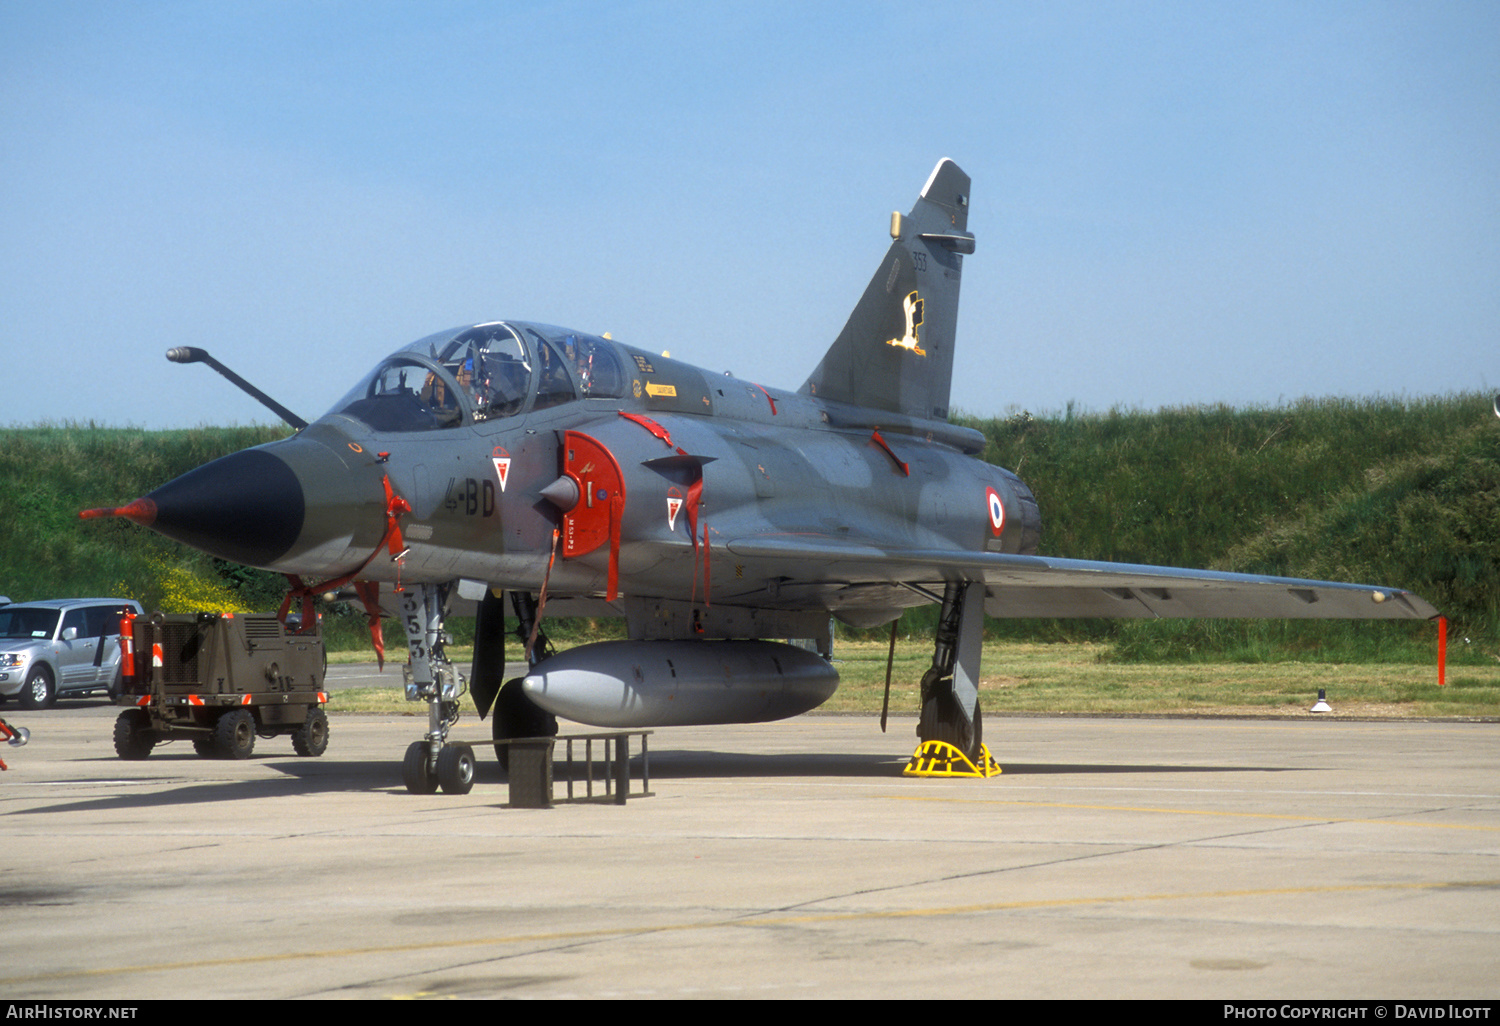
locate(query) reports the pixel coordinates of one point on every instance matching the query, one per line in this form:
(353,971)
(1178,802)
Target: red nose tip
(141,511)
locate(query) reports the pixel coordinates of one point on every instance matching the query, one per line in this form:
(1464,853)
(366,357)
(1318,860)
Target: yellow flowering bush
(184,591)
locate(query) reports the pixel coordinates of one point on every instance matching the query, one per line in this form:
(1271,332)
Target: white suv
(66,647)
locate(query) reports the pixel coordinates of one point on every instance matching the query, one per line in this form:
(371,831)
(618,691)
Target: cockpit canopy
(484,372)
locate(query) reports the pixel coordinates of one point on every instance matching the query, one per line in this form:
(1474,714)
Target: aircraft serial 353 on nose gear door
(712,513)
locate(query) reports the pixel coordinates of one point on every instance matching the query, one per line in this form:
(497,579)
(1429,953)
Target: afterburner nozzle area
(1015,520)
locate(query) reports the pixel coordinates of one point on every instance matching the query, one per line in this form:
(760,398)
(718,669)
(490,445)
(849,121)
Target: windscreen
(27,623)
(484,372)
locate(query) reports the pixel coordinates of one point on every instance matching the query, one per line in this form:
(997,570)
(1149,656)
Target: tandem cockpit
(485,372)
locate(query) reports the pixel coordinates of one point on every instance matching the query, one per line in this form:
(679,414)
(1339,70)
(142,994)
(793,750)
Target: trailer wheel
(311,738)
(234,734)
(133,738)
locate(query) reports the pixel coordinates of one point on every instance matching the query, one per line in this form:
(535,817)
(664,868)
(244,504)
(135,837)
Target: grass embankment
(1380,491)
(1078,678)
(1387,491)
(50,473)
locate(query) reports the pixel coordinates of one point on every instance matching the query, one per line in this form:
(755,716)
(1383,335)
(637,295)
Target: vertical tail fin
(896,351)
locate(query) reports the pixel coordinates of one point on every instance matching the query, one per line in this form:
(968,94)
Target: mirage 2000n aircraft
(713,513)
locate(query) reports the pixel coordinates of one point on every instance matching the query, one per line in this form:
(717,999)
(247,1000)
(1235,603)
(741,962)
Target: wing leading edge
(1043,586)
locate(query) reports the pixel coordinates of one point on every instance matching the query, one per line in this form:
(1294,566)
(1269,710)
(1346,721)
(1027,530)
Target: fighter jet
(715,514)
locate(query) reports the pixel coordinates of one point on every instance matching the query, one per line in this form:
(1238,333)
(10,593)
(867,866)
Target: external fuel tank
(624,684)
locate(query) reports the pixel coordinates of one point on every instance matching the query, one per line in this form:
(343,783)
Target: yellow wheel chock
(940,759)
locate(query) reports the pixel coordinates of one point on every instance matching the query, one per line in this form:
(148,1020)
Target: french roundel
(997,511)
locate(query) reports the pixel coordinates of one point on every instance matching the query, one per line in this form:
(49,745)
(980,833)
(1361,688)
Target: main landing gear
(515,714)
(951,726)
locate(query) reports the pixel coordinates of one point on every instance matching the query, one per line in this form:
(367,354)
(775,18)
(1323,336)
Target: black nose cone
(246,508)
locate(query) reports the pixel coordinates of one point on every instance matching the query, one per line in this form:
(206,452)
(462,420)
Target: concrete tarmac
(1113,858)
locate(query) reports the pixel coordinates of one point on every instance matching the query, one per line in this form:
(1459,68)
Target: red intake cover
(601,486)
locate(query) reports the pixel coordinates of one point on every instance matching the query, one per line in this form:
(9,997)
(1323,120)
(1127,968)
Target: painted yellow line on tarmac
(1197,812)
(751,920)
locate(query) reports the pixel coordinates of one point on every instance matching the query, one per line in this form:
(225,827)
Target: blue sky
(1175,203)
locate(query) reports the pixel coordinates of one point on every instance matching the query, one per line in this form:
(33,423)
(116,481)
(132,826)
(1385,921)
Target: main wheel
(133,737)
(516,715)
(234,734)
(40,689)
(312,737)
(455,769)
(943,719)
(415,772)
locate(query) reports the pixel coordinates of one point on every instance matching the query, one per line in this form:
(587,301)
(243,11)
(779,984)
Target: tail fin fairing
(896,351)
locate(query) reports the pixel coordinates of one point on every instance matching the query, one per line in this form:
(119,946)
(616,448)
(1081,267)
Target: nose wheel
(455,769)
(452,770)
(417,770)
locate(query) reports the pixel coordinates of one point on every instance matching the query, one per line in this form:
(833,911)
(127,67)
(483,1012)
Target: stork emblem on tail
(912,304)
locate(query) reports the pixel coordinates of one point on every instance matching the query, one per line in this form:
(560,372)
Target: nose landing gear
(432,762)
